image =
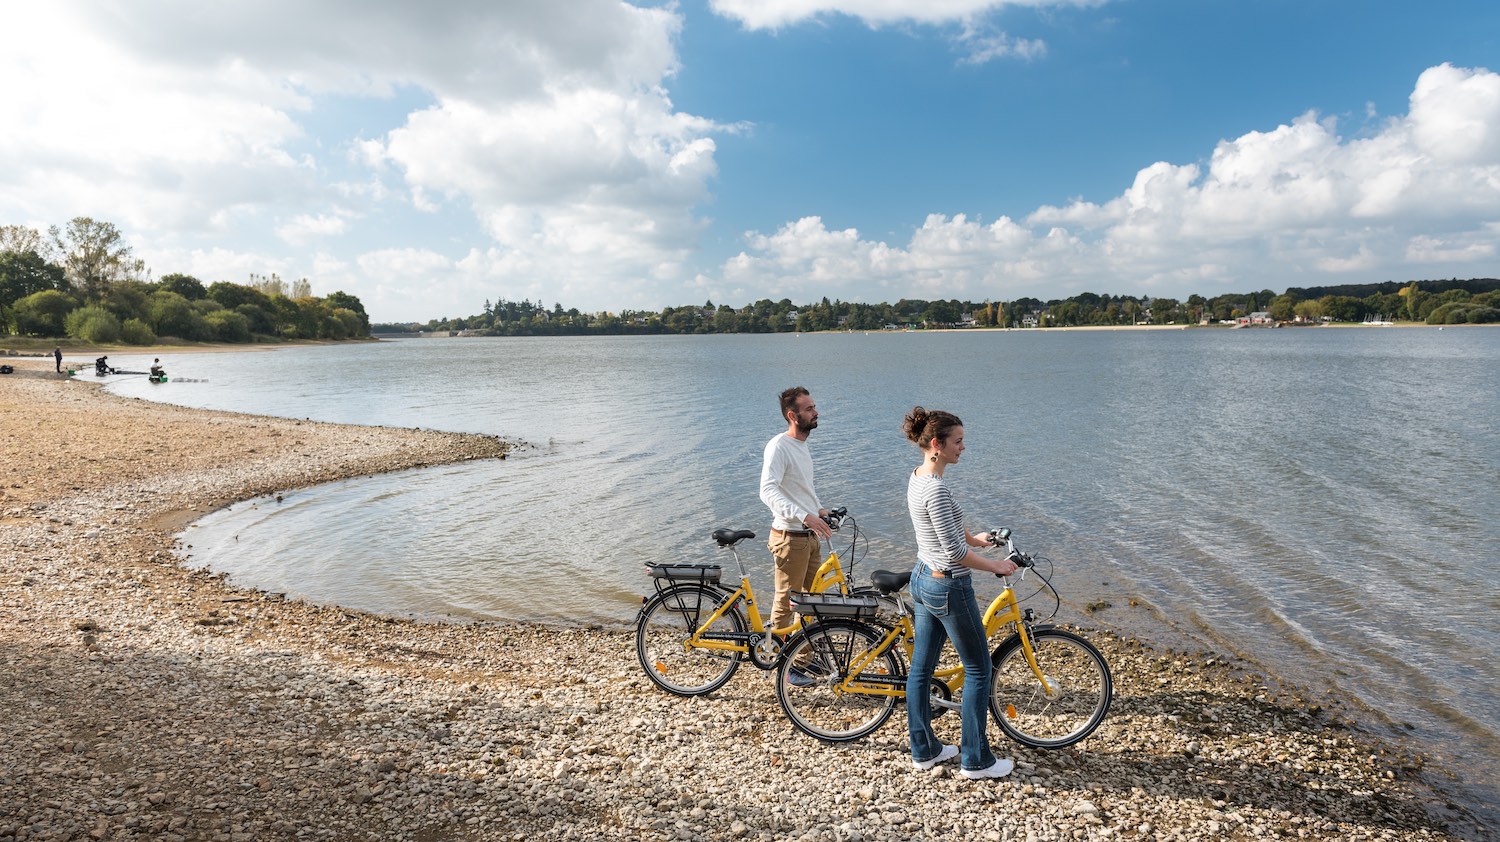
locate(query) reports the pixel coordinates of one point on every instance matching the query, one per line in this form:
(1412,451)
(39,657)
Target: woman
(942,590)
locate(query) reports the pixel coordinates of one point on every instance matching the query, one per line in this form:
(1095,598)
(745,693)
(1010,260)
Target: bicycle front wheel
(664,634)
(1068,707)
(817,661)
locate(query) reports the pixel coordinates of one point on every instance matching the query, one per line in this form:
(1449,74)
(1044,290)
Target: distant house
(966,320)
(1031,319)
(1259,317)
(791,317)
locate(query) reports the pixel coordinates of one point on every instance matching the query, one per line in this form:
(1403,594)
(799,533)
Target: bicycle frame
(1003,611)
(829,574)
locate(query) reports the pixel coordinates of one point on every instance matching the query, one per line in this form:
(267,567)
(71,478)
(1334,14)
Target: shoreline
(148,700)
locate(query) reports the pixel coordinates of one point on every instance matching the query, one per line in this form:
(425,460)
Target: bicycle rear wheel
(662,633)
(817,660)
(1070,706)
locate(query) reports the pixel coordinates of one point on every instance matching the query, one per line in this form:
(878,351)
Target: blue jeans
(946,609)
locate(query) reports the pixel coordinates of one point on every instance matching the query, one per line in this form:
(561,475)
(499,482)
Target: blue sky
(608,155)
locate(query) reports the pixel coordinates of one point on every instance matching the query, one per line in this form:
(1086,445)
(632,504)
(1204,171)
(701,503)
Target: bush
(1484,316)
(137,332)
(228,326)
(92,324)
(172,315)
(42,313)
(260,320)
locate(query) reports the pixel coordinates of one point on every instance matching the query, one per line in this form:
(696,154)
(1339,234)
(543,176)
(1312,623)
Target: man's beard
(804,429)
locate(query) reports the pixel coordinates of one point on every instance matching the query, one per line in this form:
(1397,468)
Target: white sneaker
(946,753)
(1002,767)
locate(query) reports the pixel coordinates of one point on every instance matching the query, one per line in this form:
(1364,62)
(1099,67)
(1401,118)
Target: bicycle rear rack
(708,574)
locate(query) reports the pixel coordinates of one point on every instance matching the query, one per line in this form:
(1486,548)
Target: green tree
(232,295)
(1065,314)
(227,326)
(1282,307)
(169,314)
(1166,311)
(350,324)
(25,272)
(725,319)
(1413,302)
(259,319)
(95,255)
(941,313)
(1342,308)
(42,313)
(137,332)
(1309,310)
(186,286)
(128,299)
(92,324)
(21,238)
(271,285)
(341,299)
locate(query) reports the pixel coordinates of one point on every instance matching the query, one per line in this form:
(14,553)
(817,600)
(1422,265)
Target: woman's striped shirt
(939,524)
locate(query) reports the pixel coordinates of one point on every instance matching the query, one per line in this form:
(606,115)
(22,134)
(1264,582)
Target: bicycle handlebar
(836,517)
(1001,538)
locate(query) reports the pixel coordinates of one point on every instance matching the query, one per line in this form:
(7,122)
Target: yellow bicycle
(841,676)
(692,634)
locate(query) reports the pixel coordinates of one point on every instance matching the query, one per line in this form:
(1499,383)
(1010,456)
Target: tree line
(82,281)
(1454,301)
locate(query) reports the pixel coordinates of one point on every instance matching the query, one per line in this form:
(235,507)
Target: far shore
(27,346)
(30,346)
(147,700)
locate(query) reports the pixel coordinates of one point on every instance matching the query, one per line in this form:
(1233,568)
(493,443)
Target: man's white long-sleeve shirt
(786,483)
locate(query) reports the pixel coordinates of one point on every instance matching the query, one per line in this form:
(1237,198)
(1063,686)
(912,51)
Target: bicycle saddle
(888,583)
(727,537)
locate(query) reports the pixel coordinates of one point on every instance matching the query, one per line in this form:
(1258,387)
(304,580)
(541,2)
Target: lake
(1320,502)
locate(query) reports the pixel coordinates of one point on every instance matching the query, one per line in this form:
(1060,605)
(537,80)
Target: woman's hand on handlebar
(1004,567)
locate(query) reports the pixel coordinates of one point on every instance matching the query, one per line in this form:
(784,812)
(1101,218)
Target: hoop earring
(934,457)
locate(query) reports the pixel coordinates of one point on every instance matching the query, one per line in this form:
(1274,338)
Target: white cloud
(189,125)
(776,14)
(975,36)
(1296,205)
(307,228)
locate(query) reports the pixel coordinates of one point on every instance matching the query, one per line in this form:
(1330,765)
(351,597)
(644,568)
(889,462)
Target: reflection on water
(1321,502)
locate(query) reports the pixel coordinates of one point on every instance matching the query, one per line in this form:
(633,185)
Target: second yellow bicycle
(1049,687)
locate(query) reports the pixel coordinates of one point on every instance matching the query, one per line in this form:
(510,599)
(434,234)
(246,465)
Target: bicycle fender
(647,600)
(1014,639)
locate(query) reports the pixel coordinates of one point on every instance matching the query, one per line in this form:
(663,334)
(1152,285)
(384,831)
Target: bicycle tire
(824,652)
(667,622)
(1077,702)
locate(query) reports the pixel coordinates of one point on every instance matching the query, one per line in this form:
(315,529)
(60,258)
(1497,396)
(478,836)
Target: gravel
(145,700)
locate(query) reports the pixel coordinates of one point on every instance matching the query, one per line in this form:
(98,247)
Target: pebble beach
(142,699)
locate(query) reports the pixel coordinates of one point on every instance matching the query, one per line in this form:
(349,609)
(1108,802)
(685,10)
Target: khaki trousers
(797,561)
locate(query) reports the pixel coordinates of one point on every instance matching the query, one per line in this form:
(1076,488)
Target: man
(57,355)
(786,487)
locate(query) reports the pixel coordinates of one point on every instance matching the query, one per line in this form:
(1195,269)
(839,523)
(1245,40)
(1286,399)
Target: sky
(432,157)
